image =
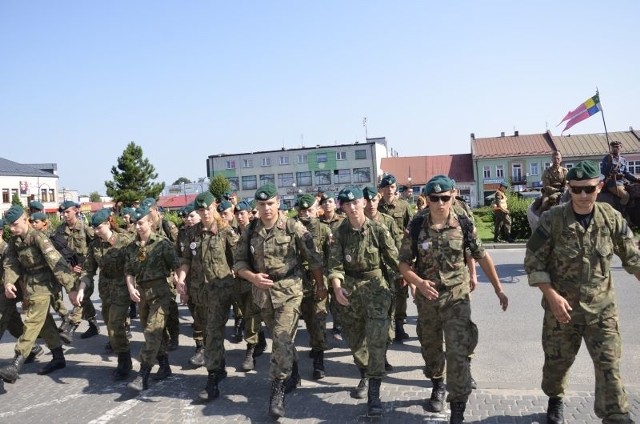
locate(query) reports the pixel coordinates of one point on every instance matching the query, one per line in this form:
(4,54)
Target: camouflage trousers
(86,309)
(502,225)
(115,312)
(252,317)
(453,320)
(283,324)
(221,294)
(314,314)
(198,307)
(561,343)
(38,322)
(155,300)
(365,323)
(10,318)
(401,297)
(173,318)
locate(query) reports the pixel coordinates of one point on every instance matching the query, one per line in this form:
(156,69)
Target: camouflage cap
(99,217)
(306,201)
(349,194)
(242,206)
(326,195)
(140,213)
(438,184)
(266,192)
(66,205)
(13,214)
(584,170)
(224,205)
(38,216)
(36,206)
(204,200)
(370,192)
(387,180)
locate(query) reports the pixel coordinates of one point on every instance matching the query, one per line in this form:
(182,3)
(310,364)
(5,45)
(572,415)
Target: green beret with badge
(140,213)
(38,216)
(66,205)
(204,200)
(189,208)
(266,192)
(149,202)
(369,192)
(243,206)
(99,217)
(306,201)
(387,180)
(326,195)
(349,194)
(36,206)
(13,214)
(224,205)
(584,170)
(438,184)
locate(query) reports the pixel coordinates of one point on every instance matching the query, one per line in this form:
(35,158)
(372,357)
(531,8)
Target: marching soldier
(554,180)
(501,216)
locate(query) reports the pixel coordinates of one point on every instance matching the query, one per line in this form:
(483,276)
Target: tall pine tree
(132,177)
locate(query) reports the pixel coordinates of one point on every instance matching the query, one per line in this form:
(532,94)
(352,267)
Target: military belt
(36,270)
(282,275)
(365,275)
(152,283)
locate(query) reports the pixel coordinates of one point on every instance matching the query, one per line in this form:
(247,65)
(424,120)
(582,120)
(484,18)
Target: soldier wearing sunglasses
(569,259)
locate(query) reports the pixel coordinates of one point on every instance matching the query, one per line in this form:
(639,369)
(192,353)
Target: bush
(519,223)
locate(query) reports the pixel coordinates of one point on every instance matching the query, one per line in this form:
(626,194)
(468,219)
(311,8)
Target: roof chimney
(516,133)
(473,136)
(502,134)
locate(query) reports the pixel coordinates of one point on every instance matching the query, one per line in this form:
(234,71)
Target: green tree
(132,177)
(219,185)
(15,200)
(94,197)
(182,180)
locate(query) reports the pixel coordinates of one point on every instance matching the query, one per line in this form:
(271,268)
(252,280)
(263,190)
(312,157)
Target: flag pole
(606,133)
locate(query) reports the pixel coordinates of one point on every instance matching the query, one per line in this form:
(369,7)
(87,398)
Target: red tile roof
(512,146)
(176,201)
(579,145)
(422,168)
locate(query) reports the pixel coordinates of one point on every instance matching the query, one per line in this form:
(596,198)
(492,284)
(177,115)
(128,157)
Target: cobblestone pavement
(507,367)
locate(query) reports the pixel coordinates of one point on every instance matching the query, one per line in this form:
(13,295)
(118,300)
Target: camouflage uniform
(109,256)
(577,264)
(333,223)
(168,229)
(184,238)
(357,258)
(210,257)
(277,252)
(9,316)
(554,180)
(151,265)
(439,257)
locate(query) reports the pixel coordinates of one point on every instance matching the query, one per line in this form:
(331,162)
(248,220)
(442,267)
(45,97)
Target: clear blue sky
(80,79)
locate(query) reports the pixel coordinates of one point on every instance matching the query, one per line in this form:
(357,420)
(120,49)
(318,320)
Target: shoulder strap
(467,232)
(414,231)
(250,229)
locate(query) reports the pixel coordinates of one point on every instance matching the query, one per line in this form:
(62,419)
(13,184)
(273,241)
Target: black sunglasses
(587,189)
(435,198)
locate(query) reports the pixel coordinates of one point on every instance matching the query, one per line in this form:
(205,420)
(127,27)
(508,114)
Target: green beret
(224,205)
(369,192)
(242,206)
(326,196)
(584,170)
(38,216)
(306,201)
(99,217)
(266,192)
(189,208)
(66,205)
(252,203)
(140,213)
(13,214)
(387,180)
(438,184)
(149,202)
(204,200)
(127,211)
(36,206)
(349,194)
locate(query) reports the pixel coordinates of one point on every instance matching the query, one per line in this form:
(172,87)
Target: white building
(302,170)
(29,182)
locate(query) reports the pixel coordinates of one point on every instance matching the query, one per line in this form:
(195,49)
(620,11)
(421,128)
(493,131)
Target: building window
(342,176)
(486,171)
(516,172)
(323,177)
(361,175)
(267,179)
(302,158)
(304,179)
(321,157)
(44,195)
(249,182)
(533,169)
(634,166)
(361,154)
(341,155)
(285,180)
(231,164)
(547,165)
(5,196)
(266,161)
(284,160)
(52,195)
(234,183)
(247,163)
(499,171)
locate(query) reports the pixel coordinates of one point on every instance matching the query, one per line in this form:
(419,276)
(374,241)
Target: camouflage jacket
(109,256)
(366,251)
(33,257)
(209,253)
(78,237)
(155,260)
(439,254)
(399,210)
(166,228)
(500,201)
(334,222)
(390,224)
(554,179)
(322,238)
(577,262)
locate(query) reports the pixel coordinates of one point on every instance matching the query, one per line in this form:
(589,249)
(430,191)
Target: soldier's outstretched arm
(486,263)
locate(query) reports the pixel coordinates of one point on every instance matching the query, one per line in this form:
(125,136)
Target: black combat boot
(249,362)
(133,313)
(238,330)
(262,344)
(10,373)
(276,401)
(457,412)
(197,360)
(374,405)
(67,329)
(318,364)
(436,402)
(400,333)
(293,381)
(165,369)
(211,390)
(64,319)
(360,392)
(57,363)
(555,411)
(142,380)
(93,329)
(36,352)
(124,366)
